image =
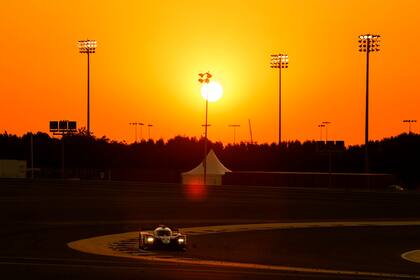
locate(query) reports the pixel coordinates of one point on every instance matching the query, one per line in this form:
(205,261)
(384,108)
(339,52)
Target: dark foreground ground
(38,219)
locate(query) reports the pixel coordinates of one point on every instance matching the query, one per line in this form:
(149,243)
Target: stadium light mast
(141,130)
(205,79)
(409,124)
(279,61)
(148,129)
(326,123)
(320,131)
(135,124)
(234,126)
(368,43)
(88,47)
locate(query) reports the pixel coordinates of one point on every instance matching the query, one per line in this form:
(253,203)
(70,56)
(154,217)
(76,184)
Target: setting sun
(212,91)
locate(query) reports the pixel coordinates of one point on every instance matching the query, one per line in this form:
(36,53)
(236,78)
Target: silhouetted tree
(86,155)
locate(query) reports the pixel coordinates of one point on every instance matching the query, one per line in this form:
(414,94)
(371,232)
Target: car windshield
(163,232)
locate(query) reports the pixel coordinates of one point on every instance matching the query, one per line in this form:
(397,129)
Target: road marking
(303,225)
(105,245)
(412,256)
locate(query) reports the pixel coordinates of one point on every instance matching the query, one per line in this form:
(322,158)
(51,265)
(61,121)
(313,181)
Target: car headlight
(181,240)
(150,239)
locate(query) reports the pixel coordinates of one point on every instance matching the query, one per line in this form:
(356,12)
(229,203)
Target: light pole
(368,43)
(205,79)
(141,130)
(409,124)
(135,124)
(320,131)
(326,123)
(87,47)
(279,61)
(204,126)
(63,128)
(148,129)
(32,156)
(234,126)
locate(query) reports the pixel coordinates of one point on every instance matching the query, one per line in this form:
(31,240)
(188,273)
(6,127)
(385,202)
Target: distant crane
(250,130)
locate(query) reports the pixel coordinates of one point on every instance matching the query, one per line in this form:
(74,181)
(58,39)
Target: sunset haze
(149,55)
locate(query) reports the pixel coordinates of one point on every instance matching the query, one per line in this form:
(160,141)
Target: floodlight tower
(135,124)
(279,61)
(148,129)
(409,124)
(141,130)
(326,123)
(234,126)
(205,79)
(368,43)
(88,47)
(320,131)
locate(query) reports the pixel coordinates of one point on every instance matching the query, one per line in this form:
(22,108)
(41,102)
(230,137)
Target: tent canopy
(214,166)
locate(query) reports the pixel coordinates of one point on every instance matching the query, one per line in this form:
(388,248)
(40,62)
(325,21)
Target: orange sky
(150,52)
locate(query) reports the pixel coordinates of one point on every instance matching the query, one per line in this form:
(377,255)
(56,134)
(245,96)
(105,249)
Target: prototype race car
(162,238)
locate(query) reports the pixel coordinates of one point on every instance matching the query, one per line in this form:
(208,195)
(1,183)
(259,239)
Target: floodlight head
(279,61)
(369,43)
(87,46)
(205,77)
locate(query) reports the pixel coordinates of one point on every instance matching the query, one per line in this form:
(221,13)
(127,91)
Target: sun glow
(212,91)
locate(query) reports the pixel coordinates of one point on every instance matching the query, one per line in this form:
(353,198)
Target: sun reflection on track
(195,192)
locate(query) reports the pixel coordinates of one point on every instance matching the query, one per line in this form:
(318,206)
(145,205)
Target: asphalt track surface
(39,219)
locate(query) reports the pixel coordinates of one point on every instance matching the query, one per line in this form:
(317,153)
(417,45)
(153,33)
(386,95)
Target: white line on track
(102,245)
(412,256)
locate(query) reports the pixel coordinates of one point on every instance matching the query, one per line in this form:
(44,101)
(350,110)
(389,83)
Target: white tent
(214,169)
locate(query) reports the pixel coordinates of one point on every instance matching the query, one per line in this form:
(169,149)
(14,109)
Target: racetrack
(39,219)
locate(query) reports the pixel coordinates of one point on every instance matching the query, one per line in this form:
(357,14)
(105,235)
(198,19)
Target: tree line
(87,156)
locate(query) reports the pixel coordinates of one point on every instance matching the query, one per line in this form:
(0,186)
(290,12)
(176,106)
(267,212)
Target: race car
(162,238)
